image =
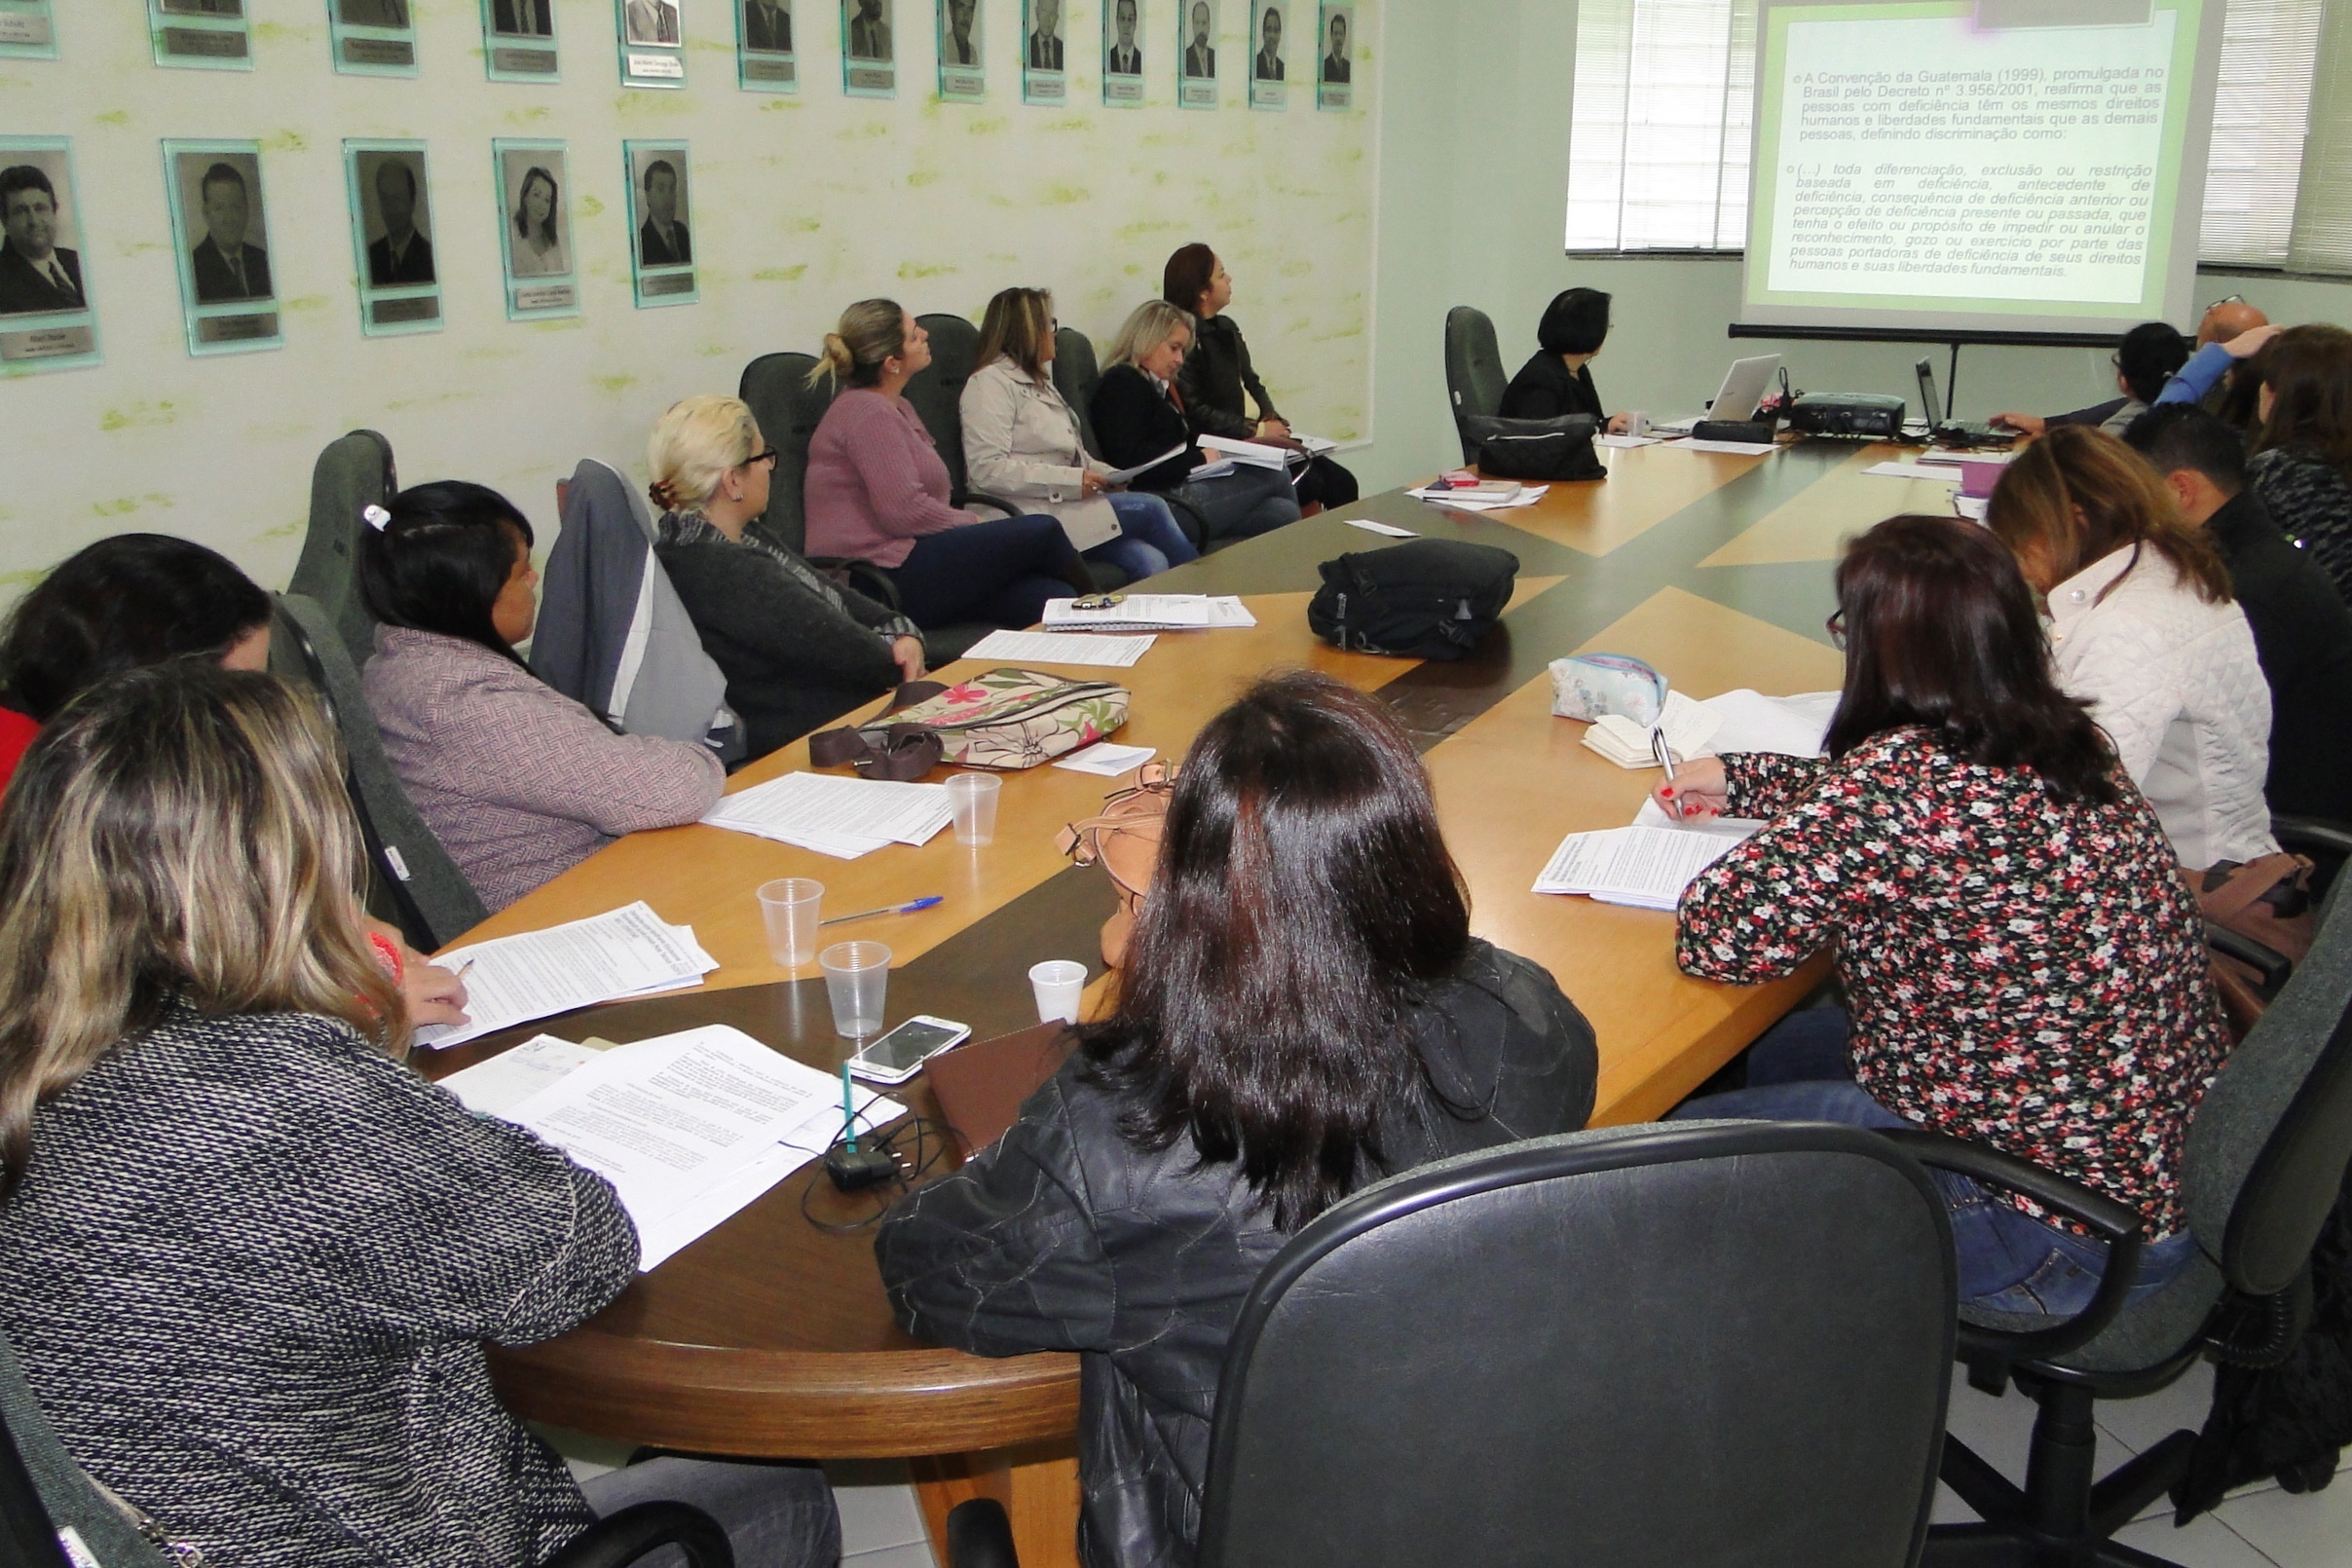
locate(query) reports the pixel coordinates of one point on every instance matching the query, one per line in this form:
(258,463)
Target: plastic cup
(789,905)
(857,974)
(1637,423)
(1059,984)
(974,796)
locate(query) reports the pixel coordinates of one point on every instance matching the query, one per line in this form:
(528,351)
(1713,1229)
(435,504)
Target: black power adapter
(855,1170)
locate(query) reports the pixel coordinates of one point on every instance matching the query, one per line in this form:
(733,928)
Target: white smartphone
(897,1055)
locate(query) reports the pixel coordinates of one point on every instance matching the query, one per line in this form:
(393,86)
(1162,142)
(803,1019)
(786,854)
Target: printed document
(1120,476)
(626,951)
(1106,760)
(836,816)
(1060,648)
(1647,867)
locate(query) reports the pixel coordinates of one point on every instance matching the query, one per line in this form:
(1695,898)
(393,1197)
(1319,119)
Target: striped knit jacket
(251,1272)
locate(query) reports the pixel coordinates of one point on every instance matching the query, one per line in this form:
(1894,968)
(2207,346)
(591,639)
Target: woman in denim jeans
(2024,966)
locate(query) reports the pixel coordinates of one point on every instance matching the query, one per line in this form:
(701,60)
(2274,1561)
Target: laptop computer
(1951,432)
(1744,387)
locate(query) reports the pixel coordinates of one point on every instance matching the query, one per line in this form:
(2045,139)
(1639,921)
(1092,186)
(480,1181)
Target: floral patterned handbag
(1013,719)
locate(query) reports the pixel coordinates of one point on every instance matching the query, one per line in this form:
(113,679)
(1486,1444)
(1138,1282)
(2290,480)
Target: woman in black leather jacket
(1305,1011)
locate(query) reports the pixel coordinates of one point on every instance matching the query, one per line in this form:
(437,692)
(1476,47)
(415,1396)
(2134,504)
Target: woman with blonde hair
(1141,415)
(1021,440)
(248,1260)
(877,491)
(797,648)
(2142,628)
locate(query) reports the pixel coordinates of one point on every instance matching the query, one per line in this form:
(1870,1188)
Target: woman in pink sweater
(877,491)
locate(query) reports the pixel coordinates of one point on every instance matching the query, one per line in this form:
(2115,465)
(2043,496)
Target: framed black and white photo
(766,59)
(1123,53)
(535,228)
(1044,52)
(653,43)
(518,40)
(869,50)
(372,37)
(963,76)
(220,229)
(392,237)
(207,34)
(1335,68)
(1196,54)
(1268,89)
(27,30)
(661,246)
(46,321)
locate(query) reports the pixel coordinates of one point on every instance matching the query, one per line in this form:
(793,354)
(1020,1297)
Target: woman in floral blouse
(2023,962)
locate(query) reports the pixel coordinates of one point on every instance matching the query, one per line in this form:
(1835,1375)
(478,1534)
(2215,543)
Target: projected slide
(1918,165)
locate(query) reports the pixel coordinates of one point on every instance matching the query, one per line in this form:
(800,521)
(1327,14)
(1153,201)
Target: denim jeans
(1000,570)
(1149,541)
(775,1515)
(2010,1262)
(1243,504)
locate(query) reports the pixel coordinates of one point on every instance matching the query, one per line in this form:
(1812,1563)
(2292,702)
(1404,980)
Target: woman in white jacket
(1021,442)
(2143,627)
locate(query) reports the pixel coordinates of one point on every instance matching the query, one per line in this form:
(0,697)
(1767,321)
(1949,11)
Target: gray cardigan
(251,1273)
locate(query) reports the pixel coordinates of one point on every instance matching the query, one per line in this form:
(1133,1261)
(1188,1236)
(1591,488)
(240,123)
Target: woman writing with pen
(2023,962)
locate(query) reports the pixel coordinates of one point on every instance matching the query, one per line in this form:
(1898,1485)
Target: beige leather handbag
(1124,840)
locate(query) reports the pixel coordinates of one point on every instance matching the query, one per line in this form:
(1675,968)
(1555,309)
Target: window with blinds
(1657,157)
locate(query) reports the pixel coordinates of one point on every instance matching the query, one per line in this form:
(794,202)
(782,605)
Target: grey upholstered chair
(356,470)
(937,392)
(776,387)
(1076,375)
(1475,379)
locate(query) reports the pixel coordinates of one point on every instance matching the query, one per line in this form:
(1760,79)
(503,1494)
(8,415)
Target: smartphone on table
(896,1056)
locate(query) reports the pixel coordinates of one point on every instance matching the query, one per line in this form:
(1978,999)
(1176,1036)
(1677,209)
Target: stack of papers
(1921,469)
(1749,721)
(624,952)
(836,816)
(1960,454)
(1474,501)
(1742,449)
(1687,727)
(1389,530)
(1255,454)
(1605,438)
(689,1128)
(1107,760)
(1151,611)
(1060,647)
(1647,867)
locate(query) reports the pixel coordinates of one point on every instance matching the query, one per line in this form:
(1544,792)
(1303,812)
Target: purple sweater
(875,483)
(518,781)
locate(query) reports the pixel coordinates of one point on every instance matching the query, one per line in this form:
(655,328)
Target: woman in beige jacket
(1021,442)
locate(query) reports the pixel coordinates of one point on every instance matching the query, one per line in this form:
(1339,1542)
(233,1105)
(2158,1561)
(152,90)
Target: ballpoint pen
(1665,760)
(848,1112)
(888,909)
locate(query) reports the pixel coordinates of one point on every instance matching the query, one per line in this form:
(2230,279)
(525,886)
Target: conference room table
(771,1335)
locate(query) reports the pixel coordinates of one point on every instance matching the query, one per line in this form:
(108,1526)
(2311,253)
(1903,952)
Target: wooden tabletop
(771,1335)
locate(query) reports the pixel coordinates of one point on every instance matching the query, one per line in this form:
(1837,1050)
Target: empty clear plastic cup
(789,907)
(856,976)
(974,796)
(1059,982)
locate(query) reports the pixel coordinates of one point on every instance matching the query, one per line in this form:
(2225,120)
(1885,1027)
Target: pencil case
(1596,686)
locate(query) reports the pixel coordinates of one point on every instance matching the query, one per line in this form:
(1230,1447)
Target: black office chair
(1649,1347)
(413,881)
(937,392)
(1076,375)
(43,1492)
(354,472)
(1475,378)
(2266,1155)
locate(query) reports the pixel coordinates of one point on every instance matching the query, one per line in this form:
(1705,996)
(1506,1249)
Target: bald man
(2227,319)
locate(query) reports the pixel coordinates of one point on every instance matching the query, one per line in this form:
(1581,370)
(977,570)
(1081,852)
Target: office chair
(1650,1347)
(356,470)
(43,1492)
(2266,1155)
(1475,378)
(937,392)
(418,886)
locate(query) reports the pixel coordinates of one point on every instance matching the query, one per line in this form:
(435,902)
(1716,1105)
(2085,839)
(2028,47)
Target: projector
(1874,414)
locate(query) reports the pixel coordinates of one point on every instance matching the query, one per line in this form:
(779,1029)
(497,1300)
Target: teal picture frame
(539,273)
(372,37)
(230,303)
(661,261)
(28,29)
(395,300)
(39,332)
(205,35)
(519,42)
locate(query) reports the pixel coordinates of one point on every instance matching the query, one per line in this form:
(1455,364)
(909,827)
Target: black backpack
(1537,449)
(1429,598)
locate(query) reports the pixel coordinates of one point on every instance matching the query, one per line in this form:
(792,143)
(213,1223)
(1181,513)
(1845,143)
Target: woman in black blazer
(1557,382)
(1139,413)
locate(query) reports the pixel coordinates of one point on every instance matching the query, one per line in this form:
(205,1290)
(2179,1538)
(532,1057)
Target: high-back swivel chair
(776,387)
(354,472)
(1475,379)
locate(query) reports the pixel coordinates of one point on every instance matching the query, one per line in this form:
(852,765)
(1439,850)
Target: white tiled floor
(882,1523)
(2257,1527)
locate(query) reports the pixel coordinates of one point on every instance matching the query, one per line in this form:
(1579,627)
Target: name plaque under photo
(1196,54)
(653,42)
(220,233)
(372,37)
(46,321)
(963,76)
(869,49)
(518,41)
(201,34)
(767,53)
(661,232)
(393,231)
(27,30)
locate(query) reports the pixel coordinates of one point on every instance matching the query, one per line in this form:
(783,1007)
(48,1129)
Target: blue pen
(888,909)
(848,1110)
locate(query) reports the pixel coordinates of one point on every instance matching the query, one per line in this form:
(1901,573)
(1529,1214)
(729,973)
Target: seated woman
(519,782)
(250,1261)
(2147,357)
(135,600)
(1141,415)
(1021,442)
(1218,371)
(797,648)
(2143,630)
(124,601)
(2302,453)
(1559,380)
(2023,966)
(877,491)
(1304,1011)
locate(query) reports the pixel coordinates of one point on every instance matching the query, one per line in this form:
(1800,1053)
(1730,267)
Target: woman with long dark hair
(1304,1010)
(518,781)
(2022,961)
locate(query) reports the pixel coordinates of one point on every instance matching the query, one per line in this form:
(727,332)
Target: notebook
(981,1084)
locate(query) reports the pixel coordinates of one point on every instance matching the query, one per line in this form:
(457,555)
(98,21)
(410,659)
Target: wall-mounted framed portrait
(392,237)
(220,228)
(661,243)
(535,228)
(47,320)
